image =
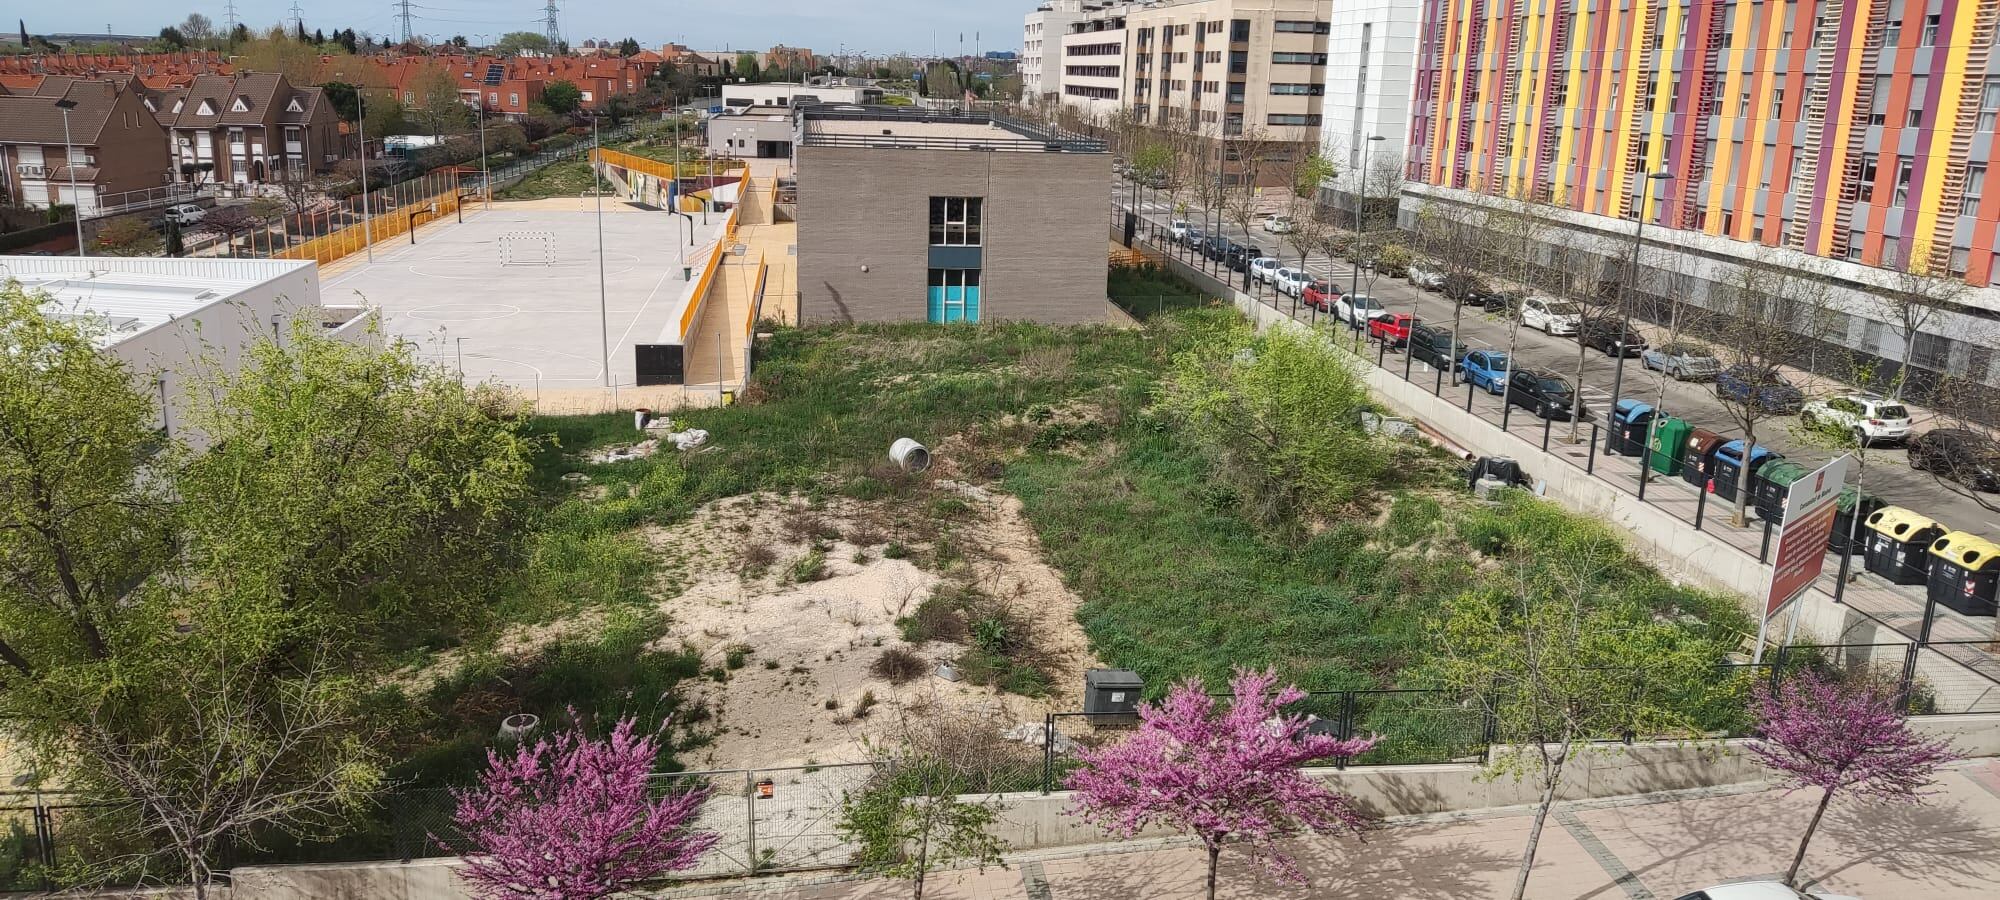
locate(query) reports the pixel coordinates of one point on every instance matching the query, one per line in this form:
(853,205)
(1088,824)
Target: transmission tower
(229,17)
(554,29)
(403,13)
(298,18)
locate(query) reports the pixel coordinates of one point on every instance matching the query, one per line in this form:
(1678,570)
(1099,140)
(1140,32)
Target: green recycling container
(1668,436)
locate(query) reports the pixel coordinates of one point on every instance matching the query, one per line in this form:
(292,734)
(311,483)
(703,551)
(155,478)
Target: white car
(1357,309)
(1425,277)
(1264,268)
(1278,225)
(1290,281)
(1551,317)
(1757,890)
(1178,230)
(185,214)
(1869,420)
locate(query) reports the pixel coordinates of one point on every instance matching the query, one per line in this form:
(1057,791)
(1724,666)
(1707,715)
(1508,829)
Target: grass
(1149,290)
(563,179)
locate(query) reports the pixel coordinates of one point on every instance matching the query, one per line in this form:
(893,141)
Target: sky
(879,26)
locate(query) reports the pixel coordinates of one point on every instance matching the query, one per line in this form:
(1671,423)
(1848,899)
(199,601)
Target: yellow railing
(639,164)
(722,248)
(393,212)
(756,297)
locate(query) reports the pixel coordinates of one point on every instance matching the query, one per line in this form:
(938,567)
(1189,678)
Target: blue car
(1487,369)
(1773,393)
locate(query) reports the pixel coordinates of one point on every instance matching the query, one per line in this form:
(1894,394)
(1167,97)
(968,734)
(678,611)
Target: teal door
(954,295)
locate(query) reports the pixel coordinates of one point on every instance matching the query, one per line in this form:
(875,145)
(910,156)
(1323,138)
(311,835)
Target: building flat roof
(903,128)
(132,295)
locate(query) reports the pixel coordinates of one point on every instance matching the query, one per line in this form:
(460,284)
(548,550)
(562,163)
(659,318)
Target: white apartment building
(1231,70)
(1041,45)
(1372,55)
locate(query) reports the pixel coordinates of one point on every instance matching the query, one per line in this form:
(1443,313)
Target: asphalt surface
(1885,473)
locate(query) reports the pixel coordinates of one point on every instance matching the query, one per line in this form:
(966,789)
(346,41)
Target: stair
(1978,56)
(1857,133)
(1557,66)
(1702,118)
(1635,162)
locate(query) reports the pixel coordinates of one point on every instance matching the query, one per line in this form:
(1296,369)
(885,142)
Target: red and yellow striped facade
(1851,129)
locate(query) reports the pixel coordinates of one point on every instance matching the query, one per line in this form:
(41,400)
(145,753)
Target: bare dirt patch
(792,617)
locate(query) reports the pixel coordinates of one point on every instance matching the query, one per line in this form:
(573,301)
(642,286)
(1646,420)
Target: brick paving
(1650,848)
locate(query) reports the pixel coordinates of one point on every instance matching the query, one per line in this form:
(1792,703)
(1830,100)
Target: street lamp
(603,315)
(69,161)
(1642,187)
(687,274)
(485,174)
(1360,221)
(361,126)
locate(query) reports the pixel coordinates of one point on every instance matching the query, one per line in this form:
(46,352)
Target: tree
(437,105)
(514,43)
(198,32)
(1556,662)
(128,236)
(1918,295)
(319,38)
(1451,238)
(1280,415)
(912,818)
(239,35)
(1220,775)
(231,223)
(172,39)
(1849,738)
(574,818)
(1769,315)
(561,97)
(745,67)
(176,247)
(628,47)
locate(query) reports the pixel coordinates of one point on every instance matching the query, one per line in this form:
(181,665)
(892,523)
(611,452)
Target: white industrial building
(1371,65)
(164,316)
(1041,46)
(752,132)
(792,93)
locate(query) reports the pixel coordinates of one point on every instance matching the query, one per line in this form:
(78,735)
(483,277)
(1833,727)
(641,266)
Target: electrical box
(1112,693)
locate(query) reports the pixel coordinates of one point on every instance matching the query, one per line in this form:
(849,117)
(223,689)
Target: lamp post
(361,126)
(603,314)
(485,173)
(1360,222)
(687,274)
(69,162)
(1642,187)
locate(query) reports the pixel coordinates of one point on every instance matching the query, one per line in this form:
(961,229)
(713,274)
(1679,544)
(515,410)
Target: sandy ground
(814,642)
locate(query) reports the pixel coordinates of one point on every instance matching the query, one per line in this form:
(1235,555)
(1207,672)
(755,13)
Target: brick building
(114,144)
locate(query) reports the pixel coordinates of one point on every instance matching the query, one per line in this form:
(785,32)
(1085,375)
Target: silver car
(1426,277)
(1682,362)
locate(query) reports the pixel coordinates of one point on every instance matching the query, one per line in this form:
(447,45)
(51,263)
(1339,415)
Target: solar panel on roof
(495,73)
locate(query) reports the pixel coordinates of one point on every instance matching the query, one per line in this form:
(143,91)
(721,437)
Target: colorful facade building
(1857,130)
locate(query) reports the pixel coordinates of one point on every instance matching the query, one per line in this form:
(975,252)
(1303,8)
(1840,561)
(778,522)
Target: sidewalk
(1653,849)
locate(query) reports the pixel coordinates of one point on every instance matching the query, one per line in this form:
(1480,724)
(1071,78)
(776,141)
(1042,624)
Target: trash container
(1965,569)
(1899,543)
(1669,435)
(1732,470)
(1111,695)
(1698,455)
(1772,486)
(1852,507)
(1629,424)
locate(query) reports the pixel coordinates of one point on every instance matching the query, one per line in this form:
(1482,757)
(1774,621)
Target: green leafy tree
(746,66)
(1280,415)
(913,818)
(562,97)
(514,42)
(1559,661)
(128,236)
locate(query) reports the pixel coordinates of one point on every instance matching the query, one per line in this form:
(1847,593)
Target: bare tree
(1674,272)
(1915,299)
(1450,236)
(1766,317)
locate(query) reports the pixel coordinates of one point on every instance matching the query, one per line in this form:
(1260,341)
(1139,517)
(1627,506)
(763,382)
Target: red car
(1321,295)
(1393,328)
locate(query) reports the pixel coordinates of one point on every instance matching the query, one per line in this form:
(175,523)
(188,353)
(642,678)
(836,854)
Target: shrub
(899,665)
(737,656)
(755,559)
(809,568)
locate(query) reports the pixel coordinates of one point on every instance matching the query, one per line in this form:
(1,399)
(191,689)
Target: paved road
(1886,472)
(1656,849)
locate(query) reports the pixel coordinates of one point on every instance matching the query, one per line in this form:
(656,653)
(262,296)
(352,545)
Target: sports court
(512,293)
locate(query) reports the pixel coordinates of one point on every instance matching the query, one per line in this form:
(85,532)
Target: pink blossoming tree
(1842,739)
(572,818)
(1220,774)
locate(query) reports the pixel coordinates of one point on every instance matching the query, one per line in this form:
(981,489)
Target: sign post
(1810,507)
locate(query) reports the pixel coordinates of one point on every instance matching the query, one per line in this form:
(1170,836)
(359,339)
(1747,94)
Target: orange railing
(756,297)
(623,160)
(701,287)
(393,211)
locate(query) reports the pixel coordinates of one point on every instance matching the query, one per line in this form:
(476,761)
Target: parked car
(1868,419)
(1682,361)
(1392,328)
(1463,287)
(1178,230)
(1239,256)
(1551,316)
(1434,345)
(185,214)
(1263,267)
(1967,457)
(1215,247)
(1320,294)
(1497,301)
(1292,282)
(1545,394)
(1487,369)
(1758,890)
(1358,309)
(1194,237)
(1611,336)
(1770,391)
(1426,278)
(1278,225)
